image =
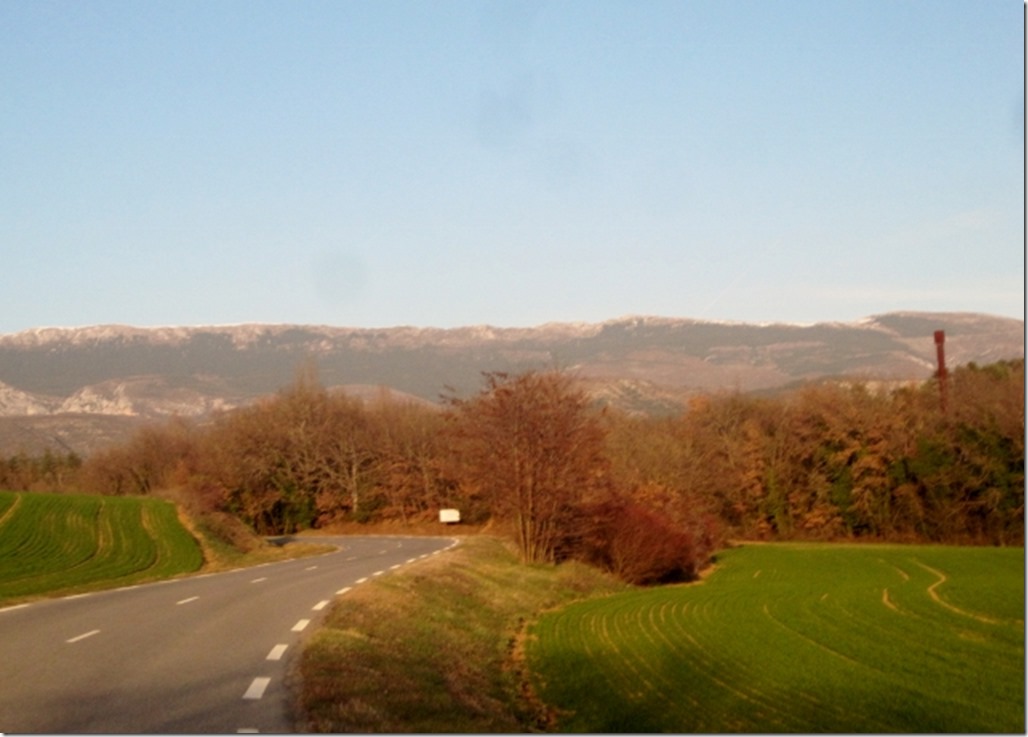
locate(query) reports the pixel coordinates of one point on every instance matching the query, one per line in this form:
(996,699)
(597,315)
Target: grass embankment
(799,638)
(432,648)
(54,544)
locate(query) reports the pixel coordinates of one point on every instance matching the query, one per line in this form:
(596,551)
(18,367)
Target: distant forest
(648,498)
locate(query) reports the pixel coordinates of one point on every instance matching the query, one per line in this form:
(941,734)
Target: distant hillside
(55,380)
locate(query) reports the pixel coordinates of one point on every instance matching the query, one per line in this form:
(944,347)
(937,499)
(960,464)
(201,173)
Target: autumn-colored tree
(653,468)
(816,504)
(978,481)
(152,459)
(407,440)
(533,448)
(728,459)
(302,458)
(48,471)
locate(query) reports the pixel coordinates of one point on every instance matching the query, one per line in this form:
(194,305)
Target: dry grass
(433,648)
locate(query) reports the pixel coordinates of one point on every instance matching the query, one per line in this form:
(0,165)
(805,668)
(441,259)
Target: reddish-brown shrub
(635,543)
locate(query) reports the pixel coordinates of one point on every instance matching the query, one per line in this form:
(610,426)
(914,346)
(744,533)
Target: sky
(447,162)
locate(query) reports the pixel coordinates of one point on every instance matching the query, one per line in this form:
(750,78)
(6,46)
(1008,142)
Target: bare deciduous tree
(531,445)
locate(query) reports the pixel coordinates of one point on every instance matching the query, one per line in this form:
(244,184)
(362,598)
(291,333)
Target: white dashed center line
(258,580)
(362,580)
(310,568)
(320,605)
(298,627)
(82,636)
(342,591)
(186,601)
(257,688)
(277,652)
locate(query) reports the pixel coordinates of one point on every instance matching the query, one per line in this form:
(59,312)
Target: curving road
(204,654)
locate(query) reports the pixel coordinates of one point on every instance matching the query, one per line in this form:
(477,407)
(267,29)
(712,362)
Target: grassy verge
(227,543)
(434,648)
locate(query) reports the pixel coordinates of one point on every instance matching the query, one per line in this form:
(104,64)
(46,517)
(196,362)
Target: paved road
(206,654)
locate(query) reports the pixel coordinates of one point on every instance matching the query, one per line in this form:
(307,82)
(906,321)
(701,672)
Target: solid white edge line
(257,688)
(12,608)
(277,652)
(298,627)
(82,636)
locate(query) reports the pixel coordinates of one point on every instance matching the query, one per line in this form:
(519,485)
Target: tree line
(647,498)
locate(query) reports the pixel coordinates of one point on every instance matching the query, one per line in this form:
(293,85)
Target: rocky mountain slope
(120,374)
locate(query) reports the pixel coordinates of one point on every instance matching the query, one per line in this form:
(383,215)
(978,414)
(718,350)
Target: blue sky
(442,163)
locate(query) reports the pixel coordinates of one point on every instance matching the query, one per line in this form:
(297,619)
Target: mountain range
(82,388)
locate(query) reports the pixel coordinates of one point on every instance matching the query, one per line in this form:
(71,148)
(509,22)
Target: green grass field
(65,543)
(798,638)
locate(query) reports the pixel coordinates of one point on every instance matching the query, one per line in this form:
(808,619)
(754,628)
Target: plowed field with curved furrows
(64,543)
(798,638)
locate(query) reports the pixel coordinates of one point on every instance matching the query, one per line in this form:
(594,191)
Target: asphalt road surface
(204,654)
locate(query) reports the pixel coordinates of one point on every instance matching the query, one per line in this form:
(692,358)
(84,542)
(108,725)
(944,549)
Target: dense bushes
(830,461)
(648,498)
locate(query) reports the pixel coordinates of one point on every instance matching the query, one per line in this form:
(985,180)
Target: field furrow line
(8,504)
(664,622)
(658,661)
(887,602)
(903,574)
(806,638)
(709,661)
(807,693)
(623,659)
(941,578)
